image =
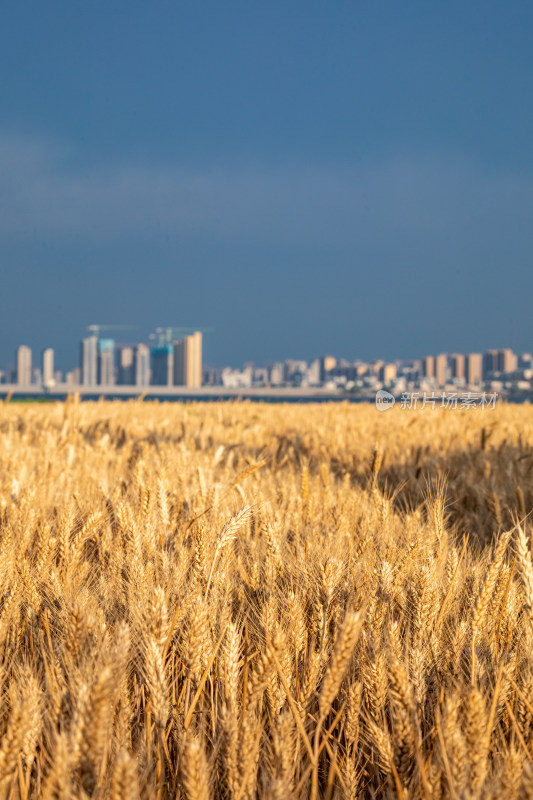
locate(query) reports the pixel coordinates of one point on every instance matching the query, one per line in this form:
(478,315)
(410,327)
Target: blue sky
(346,177)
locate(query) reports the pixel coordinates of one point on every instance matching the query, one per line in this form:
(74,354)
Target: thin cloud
(44,191)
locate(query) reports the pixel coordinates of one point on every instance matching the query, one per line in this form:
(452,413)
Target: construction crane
(95,329)
(168,334)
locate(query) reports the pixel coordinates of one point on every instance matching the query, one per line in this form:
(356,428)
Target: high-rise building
(474,368)
(48,367)
(457,365)
(428,367)
(387,373)
(211,376)
(106,362)
(197,356)
(73,378)
(441,369)
(375,366)
(327,363)
(506,361)
(276,374)
(490,363)
(188,361)
(142,365)
(89,361)
(415,369)
(24,366)
(162,362)
(293,370)
(313,373)
(126,368)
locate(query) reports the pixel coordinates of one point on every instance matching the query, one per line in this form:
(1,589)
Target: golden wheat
(249,601)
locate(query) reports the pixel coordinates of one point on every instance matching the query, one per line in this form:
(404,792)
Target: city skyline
(162,333)
(171,362)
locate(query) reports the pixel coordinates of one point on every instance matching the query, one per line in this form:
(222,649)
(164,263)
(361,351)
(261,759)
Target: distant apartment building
(313,373)
(414,368)
(490,363)
(73,377)
(375,366)
(441,369)
(474,368)
(188,360)
(275,374)
(506,361)
(24,366)
(47,364)
(457,365)
(412,371)
(89,361)
(237,379)
(162,364)
(212,376)
(106,362)
(428,367)
(387,373)
(294,371)
(142,365)
(260,376)
(327,363)
(344,371)
(126,368)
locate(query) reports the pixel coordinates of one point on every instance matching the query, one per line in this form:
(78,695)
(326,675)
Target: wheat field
(265,601)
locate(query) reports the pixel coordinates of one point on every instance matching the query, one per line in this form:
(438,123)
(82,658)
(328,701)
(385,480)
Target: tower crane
(95,329)
(167,334)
